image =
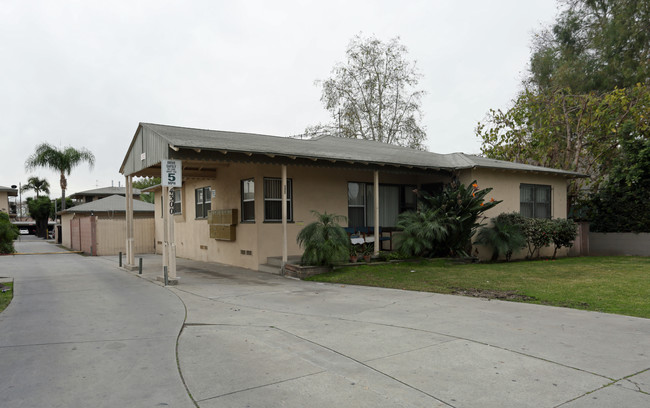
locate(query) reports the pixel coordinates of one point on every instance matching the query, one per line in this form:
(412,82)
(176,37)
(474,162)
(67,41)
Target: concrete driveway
(258,340)
(82,333)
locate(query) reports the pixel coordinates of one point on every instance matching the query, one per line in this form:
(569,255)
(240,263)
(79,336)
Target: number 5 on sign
(171,173)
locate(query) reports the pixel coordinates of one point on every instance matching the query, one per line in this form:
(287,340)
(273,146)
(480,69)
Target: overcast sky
(85,73)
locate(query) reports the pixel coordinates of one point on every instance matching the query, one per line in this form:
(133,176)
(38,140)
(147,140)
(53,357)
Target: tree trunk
(41,228)
(64,184)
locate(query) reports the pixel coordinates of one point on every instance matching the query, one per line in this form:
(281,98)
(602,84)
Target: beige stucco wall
(4,202)
(314,188)
(505,187)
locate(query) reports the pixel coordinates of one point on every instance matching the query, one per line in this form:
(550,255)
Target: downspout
(377,243)
(284,218)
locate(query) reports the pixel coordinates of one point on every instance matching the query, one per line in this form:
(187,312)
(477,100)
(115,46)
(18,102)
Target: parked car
(23,231)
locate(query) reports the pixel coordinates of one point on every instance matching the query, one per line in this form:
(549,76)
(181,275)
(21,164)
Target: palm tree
(37,185)
(325,241)
(59,160)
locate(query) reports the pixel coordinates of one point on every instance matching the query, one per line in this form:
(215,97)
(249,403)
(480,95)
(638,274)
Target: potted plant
(368,250)
(354,256)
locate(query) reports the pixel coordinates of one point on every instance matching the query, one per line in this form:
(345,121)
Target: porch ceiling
(192,169)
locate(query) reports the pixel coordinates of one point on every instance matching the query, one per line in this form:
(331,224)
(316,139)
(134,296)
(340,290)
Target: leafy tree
(37,185)
(61,160)
(373,95)
(324,241)
(8,233)
(55,208)
(145,182)
(594,45)
(622,204)
(575,132)
(587,92)
(39,210)
(446,222)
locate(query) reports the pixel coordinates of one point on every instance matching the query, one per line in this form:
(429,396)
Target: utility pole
(20,201)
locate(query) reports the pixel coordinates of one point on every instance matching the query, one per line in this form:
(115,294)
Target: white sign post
(172,173)
(171,177)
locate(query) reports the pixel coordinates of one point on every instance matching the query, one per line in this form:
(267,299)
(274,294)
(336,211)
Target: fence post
(120,259)
(140,267)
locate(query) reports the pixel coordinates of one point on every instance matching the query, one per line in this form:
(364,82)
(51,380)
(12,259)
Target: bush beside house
(8,233)
(445,223)
(324,241)
(505,235)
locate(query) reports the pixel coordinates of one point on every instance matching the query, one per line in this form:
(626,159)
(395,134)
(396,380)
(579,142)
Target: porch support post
(171,268)
(377,243)
(284,217)
(130,256)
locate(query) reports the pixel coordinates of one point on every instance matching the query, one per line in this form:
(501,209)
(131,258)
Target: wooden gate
(83,235)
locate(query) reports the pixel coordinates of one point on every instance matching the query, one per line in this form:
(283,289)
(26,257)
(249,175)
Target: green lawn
(5,297)
(606,284)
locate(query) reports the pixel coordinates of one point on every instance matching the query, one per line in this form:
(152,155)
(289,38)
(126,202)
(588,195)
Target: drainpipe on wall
(284,218)
(377,243)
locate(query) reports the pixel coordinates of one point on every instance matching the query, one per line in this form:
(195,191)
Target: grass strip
(5,297)
(616,284)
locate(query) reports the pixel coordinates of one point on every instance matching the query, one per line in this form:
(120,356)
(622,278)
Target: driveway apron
(257,340)
(82,333)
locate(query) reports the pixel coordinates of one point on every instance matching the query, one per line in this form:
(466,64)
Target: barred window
(273,199)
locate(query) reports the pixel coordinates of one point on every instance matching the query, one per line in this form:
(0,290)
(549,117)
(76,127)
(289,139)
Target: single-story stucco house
(102,192)
(242,175)
(99,227)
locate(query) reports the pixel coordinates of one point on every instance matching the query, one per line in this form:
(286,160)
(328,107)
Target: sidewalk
(261,340)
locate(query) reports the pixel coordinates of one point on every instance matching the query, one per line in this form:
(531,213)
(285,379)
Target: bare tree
(372,96)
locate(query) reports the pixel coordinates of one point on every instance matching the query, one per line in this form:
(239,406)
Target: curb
(46,253)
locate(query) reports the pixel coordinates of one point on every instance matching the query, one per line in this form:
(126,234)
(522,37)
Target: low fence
(619,243)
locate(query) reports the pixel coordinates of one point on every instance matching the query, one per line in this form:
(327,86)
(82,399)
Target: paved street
(82,333)
(259,340)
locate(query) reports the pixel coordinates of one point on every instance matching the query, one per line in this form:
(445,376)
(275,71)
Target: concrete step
(277,260)
(267,268)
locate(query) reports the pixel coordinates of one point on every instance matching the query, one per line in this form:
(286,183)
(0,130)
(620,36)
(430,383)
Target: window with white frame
(248,200)
(273,200)
(203,202)
(535,200)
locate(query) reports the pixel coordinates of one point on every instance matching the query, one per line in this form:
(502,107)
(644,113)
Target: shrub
(542,232)
(563,233)
(445,222)
(538,234)
(503,237)
(423,232)
(8,233)
(324,241)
